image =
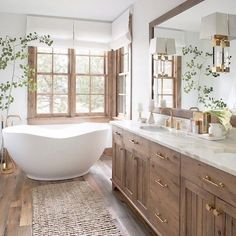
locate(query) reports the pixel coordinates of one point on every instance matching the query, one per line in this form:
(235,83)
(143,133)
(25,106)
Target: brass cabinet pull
(209,180)
(216,212)
(158,216)
(133,141)
(209,207)
(158,154)
(161,184)
(117,133)
(121,149)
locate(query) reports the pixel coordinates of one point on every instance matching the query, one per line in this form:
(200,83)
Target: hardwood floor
(16,208)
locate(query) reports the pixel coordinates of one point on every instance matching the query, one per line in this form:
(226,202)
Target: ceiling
(190,20)
(104,10)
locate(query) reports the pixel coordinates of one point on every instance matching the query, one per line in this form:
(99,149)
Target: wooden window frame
(127,75)
(105,75)
(176,77)
(72,116)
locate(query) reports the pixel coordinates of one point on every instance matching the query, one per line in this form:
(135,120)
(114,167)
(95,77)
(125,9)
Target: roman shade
(121,31)
(59,29)
(92,34)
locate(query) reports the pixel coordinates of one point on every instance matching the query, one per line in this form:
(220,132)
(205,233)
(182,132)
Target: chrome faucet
(10,117)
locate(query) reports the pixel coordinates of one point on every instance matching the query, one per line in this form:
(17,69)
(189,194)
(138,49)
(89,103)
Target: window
(52,81)
(69,82)
(166,81)
(123,82)
(90,81)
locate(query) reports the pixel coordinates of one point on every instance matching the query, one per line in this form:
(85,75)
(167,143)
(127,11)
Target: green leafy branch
(13,52)
(198,67)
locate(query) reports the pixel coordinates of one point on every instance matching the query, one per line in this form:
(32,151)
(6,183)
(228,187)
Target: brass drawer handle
(216,212)
(209,207)
(209,180)
(158,216)
(158,154)
(117,133)
(161,184)
(133,141)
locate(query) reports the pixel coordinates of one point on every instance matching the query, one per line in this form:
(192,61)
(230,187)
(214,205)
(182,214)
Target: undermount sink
(153,128)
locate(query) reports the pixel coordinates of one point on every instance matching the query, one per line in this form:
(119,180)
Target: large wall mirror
(187,78)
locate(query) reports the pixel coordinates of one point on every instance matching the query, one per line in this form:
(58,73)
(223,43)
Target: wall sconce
(160,48)
(220,28)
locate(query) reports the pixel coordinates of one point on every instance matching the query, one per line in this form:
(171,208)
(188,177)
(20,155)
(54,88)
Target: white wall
(144,11)
(14,25)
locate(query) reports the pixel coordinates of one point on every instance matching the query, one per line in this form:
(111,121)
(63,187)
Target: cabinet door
(141,167)
(196,210)
(225,219)
(129,174)
(117,164)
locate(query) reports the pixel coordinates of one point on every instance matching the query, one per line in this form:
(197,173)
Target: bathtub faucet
(11,117)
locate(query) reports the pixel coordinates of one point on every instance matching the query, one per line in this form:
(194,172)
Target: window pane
(125,63)
(60,63)
(82,103)
(60,104)
(168,86)
(169,101)
(44,63)
(44,49)
(82,51)
(44,84)
(121,84)
(97,84)
(60,84)
(60,50)
(43,104)
(97,52)
(121,104)
(168,68)
(97,103)
(97,65)
(82,64)
(82,84)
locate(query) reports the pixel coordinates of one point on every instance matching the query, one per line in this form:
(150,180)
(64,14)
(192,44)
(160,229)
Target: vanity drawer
(117,134)
(163,218)
(165,157)
(211,179)
(133,142)
(164,186)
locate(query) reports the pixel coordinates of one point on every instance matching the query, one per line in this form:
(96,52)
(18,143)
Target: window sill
(66,120)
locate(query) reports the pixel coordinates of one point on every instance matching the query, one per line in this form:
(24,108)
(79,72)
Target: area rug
(71,208)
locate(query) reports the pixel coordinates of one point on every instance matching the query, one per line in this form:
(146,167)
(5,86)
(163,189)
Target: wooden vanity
(175,194)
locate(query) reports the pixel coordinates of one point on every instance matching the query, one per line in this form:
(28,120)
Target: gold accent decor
(216,212)
(158,181)
(161,156)
(133,141)
(210,181)
(209,207)
(158,216)
(220,42)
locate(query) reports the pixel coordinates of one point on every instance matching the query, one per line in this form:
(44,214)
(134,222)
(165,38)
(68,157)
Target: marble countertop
(219,154)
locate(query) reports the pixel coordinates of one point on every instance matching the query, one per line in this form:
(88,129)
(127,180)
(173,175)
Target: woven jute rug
(71,208)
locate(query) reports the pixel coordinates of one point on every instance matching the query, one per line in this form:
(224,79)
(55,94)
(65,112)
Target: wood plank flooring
(16,208)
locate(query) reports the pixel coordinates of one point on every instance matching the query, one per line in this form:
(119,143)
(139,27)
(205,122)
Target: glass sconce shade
(221,57)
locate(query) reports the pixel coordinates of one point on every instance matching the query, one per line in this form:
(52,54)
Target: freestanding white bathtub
(55,152)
